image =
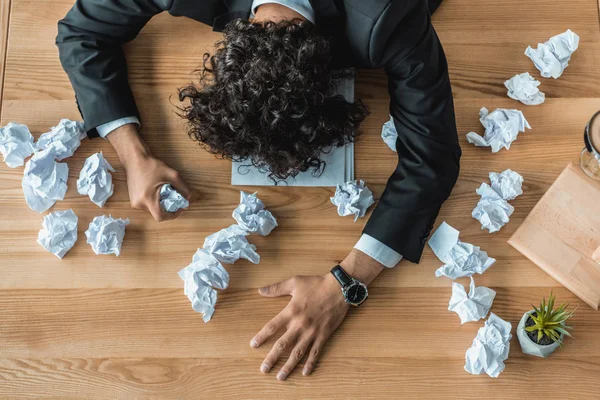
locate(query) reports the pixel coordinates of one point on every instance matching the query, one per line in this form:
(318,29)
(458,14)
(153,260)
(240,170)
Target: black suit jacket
(395,35)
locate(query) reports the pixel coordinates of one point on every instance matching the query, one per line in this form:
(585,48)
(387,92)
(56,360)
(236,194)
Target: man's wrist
(128,144)
(361,266)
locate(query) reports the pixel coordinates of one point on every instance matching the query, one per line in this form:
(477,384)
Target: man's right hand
(145,174)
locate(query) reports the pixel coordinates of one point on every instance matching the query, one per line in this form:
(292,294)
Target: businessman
(266,94)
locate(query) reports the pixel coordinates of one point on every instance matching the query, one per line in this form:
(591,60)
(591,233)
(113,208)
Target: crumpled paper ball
(95,179)
(492,211)
(502,126)
(352,198)
(44,180)
(63,138)
(389,134)
(551,58)
(473,306)
(105,234)
(171,200)
(230,244)
(252,216)
(204,273)
(16,144)
(59,232)
(460,259)
(508,184)
(490,348)
(524,88)
(465,259)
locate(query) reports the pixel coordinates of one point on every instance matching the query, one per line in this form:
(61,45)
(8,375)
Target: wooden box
(562,234)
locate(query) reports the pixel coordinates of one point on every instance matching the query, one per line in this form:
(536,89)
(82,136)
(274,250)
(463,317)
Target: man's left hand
(315,311)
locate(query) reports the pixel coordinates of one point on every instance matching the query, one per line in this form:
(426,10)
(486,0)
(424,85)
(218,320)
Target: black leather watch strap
(342,277)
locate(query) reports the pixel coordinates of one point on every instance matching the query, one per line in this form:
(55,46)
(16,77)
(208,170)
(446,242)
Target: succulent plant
(550,322)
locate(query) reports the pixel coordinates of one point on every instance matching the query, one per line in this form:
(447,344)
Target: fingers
(153,206)
(179,185)
(269,330)
(295,357)
(158,213)
(285,342)
(313,355)
(156,210)
(282,288)
(167,216)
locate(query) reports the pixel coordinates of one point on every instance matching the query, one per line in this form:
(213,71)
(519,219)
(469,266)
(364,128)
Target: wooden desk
(103,327)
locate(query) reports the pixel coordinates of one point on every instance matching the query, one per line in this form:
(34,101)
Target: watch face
(356,293)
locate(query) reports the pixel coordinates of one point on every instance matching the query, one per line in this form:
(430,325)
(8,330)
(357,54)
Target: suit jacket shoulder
(216,13)
(371,24)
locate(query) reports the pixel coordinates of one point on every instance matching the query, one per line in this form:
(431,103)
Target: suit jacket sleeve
(427,145)
(89,42)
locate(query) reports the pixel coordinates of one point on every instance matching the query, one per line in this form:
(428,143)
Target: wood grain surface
(101,327)
(4,22)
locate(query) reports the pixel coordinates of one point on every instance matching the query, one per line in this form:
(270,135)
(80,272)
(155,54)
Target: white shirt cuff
(105,129)
(378,251)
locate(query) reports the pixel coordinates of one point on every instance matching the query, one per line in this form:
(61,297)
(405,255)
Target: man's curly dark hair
(266,96)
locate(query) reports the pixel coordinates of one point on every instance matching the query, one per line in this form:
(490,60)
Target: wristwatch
(355,292)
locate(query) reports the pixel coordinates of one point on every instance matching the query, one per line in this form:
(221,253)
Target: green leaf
(551,323)
(570,314)
(562,316)
(550,305)
(548,322)
(564,331)
(562,308)
(542,308)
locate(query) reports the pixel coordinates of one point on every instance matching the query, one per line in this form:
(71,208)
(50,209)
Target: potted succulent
(542,330)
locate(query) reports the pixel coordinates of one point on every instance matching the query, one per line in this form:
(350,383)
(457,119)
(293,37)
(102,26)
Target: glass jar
(590,156)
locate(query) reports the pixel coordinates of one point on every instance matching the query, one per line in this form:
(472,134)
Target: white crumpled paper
(524,88)
(492,210)
(230,244)
(502,126)
(490,348)
(460,259)
(352,197)
(44,181)
(16,144)
(59,232)
(552,57)
(95,179)
(389,134)
(171,200)
(252,216)
(508,184)
(64,138)
(473,306)
(105,234)
(199,277)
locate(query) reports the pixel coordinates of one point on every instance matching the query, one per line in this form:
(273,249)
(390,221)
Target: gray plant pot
(530,347)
